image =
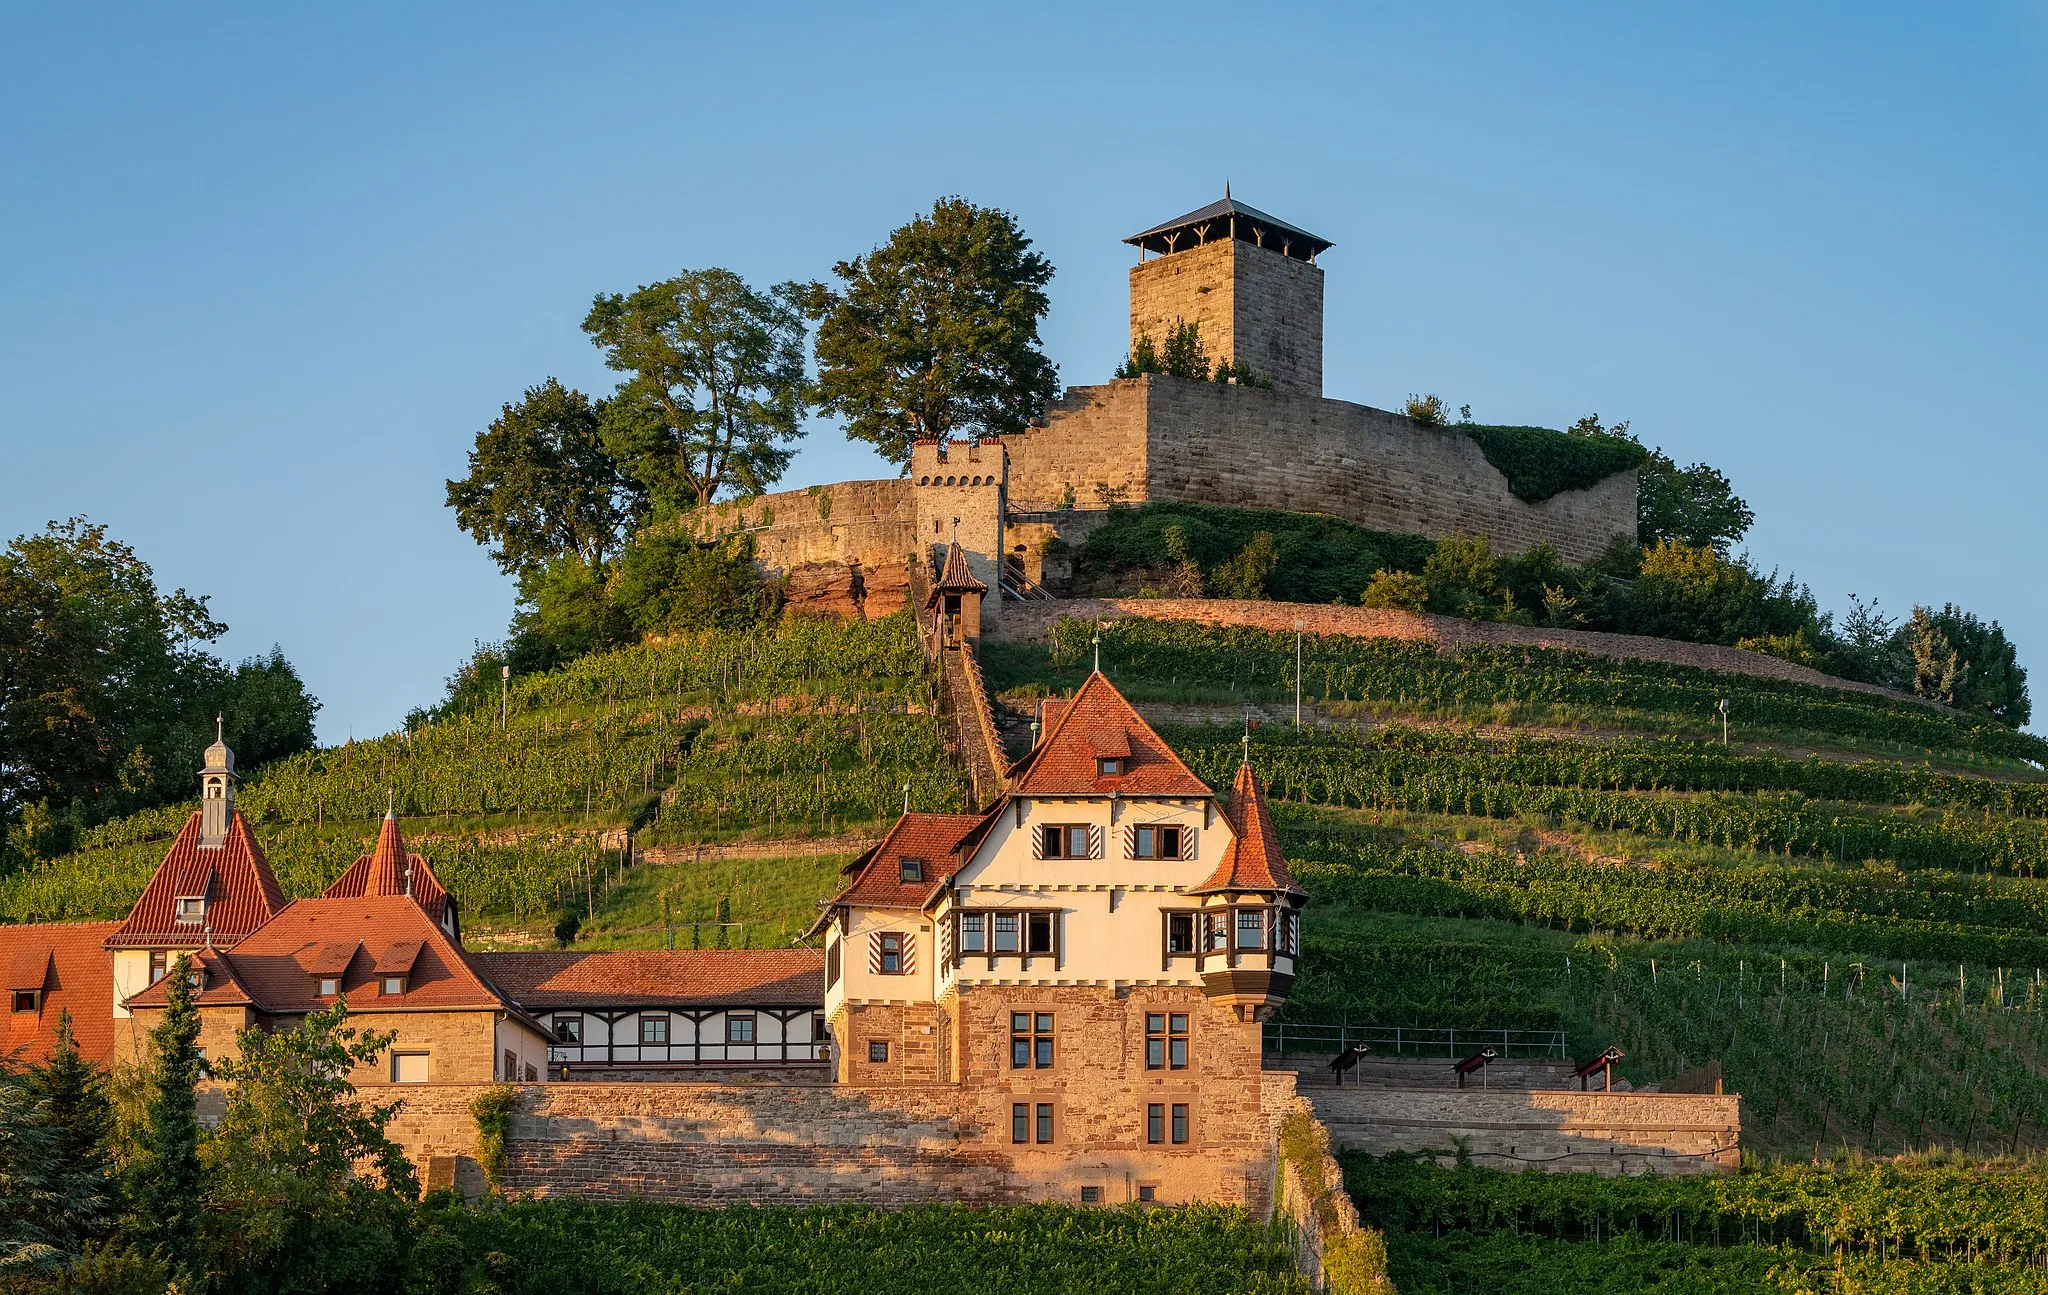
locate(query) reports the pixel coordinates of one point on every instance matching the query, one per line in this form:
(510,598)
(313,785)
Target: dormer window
(392,986)
(28,1000)
(911,870)
(192,909)
(1110,766)
(330,986)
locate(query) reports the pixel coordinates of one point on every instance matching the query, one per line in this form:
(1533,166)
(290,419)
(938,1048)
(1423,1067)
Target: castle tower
(216,792)
(1250,280)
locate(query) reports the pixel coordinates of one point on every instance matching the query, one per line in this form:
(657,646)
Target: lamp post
(1297,674)
(1724,723)
(505,698)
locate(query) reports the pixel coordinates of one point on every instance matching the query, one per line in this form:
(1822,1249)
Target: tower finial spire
(1226,188)
(390,803)
(218,732)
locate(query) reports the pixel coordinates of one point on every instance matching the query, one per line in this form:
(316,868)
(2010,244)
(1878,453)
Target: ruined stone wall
(1607,1133)
(1246,448)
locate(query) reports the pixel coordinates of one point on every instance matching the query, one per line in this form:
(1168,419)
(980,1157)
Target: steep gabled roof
(932,839)
(279,966)
(65,961)
(1252,861)
(240,890)
(954,577)
(1098,723)
(696,978)
(389,870)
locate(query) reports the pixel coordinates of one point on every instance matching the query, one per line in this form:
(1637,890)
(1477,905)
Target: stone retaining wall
(1606,1133)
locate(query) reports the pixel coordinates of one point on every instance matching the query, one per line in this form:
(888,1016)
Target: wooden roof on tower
(954,577)
(1252,861)
(1231,219)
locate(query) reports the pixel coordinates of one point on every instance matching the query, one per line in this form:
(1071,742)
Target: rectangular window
(653,1031)
(191,910)
(892,954)
(1006,932)
(1020,1122)
(1045,1121)
(532,1076)
(159,963)
(1065,841)
(411,1067)
(910,871)
(28,1000)
(511,1071)
(1031,1035)
(1038,933)
(1218,925)
(739,1028)
(878,1050)
(1180,932)
(394,985)
(1155,1123)
(1157,843)
(568,1029)
(1251,928)
(973,933)
(1108,766)
(1148,1192)
(1091,1196)
(1166,1041)
(832,963)
(817,1027)
(1180,1124)
(329,986)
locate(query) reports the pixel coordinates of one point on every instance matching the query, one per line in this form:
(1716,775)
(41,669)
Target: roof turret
(1231,219)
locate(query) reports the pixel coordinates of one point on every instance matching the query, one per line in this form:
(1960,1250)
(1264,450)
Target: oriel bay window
(1031,1035)
(1180,933)
(1251,928)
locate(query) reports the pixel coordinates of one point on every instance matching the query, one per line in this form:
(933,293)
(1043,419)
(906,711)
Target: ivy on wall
(1539,463)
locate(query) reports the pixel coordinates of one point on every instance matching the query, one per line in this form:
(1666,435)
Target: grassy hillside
(811,728)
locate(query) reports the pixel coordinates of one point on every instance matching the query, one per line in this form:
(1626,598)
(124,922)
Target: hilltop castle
(1253,284)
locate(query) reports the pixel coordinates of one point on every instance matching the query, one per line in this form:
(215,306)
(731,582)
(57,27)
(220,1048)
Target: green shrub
(1540,463)
(1320,558)
(1396,590)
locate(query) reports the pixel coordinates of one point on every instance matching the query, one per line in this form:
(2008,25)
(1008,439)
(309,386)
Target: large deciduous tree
(935,333)
(541,483)
(1696,506)
(716,391)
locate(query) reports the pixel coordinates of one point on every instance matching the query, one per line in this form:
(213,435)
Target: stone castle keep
(1252,283)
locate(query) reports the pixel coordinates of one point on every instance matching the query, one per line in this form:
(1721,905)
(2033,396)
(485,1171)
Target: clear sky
(268,270)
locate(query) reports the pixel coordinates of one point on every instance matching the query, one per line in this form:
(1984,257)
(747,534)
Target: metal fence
(1401,1041)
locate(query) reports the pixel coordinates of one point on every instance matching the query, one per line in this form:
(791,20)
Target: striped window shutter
(909,952)
(1095,841)
(1187,842)
(875,954)
(1037,841)
(1130,840)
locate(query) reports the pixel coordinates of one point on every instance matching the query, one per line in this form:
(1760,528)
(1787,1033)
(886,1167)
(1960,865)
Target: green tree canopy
(1988,676)
(163,1179)
(935,333)
(1697,506)
(541,483)
(716,392)
(107,692)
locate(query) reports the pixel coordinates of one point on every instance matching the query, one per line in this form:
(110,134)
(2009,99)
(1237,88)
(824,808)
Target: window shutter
(875,953)
(909,952)
(1095,841)
(1037,841)
(1187,842)
(1130,840)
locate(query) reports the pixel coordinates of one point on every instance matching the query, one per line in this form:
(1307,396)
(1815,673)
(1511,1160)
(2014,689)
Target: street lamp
(1724,723)
(1297,674)
(505,698)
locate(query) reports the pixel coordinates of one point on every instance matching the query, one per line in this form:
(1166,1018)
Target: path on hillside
(1033,622)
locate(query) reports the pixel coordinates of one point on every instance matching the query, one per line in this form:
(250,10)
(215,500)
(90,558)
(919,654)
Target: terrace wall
(1605,1133)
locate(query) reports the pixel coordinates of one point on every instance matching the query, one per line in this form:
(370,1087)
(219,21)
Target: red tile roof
(1252,861)
(954,577)
(1099,722)
(76,976)
(540,982)
(279,966)
(931,839)
(241,892)
(389,870)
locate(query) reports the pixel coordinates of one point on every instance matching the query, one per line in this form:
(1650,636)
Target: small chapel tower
(216,792)
(1249,279)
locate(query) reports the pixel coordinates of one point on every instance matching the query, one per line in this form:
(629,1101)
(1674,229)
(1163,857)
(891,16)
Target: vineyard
(641,1246)
(812,727)
(1906,1226)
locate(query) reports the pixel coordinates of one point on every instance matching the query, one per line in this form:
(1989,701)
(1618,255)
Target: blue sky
(268,270)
